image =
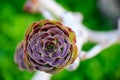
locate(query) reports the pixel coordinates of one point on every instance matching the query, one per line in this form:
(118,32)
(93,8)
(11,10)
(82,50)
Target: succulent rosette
(49,46)
(19,58)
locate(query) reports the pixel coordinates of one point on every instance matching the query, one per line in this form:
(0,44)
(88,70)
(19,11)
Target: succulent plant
(49,46)
(19,58)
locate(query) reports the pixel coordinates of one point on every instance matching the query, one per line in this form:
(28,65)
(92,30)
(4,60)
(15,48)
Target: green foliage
(13,23)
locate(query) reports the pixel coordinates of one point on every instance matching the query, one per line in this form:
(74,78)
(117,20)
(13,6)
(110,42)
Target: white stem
(51,5)
(45,13)
(104,40)
(102,36)
(41,76)
(99,47)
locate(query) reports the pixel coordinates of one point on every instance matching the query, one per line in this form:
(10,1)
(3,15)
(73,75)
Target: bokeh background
(14,21)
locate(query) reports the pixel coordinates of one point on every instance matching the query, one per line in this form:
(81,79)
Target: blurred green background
(14,21)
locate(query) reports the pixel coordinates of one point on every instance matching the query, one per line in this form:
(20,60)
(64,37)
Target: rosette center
(50,47)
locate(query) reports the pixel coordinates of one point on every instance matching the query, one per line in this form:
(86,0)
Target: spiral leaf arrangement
(48,46)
